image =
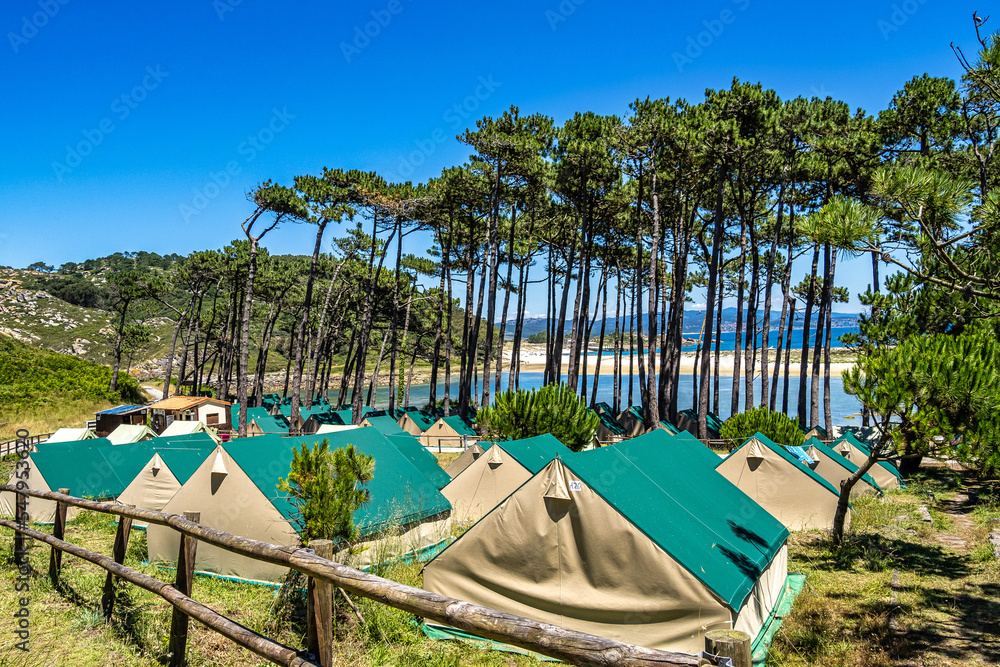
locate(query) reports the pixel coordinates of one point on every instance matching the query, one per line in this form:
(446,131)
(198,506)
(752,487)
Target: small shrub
(776,426)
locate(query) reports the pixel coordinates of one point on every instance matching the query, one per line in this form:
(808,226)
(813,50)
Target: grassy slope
(42,390)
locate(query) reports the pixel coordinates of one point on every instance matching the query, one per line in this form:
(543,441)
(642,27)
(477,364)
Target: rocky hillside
(37,318)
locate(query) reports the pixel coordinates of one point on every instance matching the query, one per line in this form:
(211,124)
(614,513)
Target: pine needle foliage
(777,426)
(554,409)
(327,487)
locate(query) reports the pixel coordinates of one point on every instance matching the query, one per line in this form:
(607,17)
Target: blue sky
(141,126)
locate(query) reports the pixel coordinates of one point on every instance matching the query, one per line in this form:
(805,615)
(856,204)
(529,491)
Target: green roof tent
(235,489)
(415,422)
(608,430)
(95,468)
(347,416)
(661,443)
(418,455)
(834,468)
(497,473)
(304,413)
(687,420)
(631,421)
(624,543)
(173,461)
(384,424)
(260,421)
(816,431)
(453,431)
(857,452)
(602,407)
(781,484)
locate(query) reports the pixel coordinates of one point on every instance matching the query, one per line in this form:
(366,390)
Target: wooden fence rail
(10,447)
(568,645)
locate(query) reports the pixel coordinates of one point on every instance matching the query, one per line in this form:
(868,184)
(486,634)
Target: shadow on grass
(975,633)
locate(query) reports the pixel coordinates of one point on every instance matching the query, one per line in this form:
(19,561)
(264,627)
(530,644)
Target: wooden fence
(10,447)
(323,574)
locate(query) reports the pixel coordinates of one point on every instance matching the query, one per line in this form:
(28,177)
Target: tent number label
(575,485)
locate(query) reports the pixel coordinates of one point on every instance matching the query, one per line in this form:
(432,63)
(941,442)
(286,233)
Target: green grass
(68,629)
(945,609)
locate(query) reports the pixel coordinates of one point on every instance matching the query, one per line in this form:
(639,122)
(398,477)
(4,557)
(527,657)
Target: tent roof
(819,429)
(399,492)
(837,458)
(385,425)
(535,453)
(120,410)
(706,524)
(129,433)
(99,468)
(712,421)
(423,420)
(660,443)
(783,453)
(459,425)
(602,407)
(610,422)
(178,427)
(71,434)
(866,448)
(418,455)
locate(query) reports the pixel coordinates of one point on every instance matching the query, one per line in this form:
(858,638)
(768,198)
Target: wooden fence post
(729,644)
(121,545)
(58,532)
(319,601)
(184,582)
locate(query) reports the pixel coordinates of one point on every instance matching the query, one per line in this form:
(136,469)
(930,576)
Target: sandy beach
(533,360)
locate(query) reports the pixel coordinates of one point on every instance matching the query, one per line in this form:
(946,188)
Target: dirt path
(961,624)
(956,509)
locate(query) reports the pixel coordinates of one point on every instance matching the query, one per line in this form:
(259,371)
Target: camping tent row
(234,486)
(628,424)
(235,490)
(643,541)
(857,452)
(703,537)
(144,473)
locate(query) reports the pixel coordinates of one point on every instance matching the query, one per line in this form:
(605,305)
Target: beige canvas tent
(129,433)
(162,476)
(834,468)
(94,468)
(235,490)
(649,551)
(781,484)
(885,474)
(71,435)
(178,428)
(473,452)
(414,422)
(450,431)
(498,473)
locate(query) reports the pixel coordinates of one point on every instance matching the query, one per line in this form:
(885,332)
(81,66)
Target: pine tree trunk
(806,329)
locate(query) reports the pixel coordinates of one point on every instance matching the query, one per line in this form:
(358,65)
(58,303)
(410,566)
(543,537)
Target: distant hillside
(692,322)
(38,318)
